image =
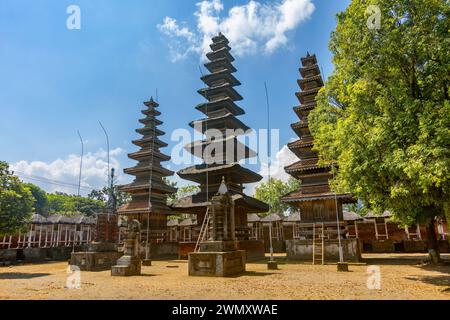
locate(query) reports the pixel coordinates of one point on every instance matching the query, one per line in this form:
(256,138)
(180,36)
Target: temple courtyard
(401,278)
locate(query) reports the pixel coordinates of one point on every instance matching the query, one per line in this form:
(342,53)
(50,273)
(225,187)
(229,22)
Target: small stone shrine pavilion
(218,254)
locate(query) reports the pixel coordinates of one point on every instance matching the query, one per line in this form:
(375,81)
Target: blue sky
(55,81)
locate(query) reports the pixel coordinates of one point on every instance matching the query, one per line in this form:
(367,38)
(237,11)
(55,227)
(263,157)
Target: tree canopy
(61,203)
(103,194)
(40,203)
(273,190)
(182,192)
(384,114)
(16,201)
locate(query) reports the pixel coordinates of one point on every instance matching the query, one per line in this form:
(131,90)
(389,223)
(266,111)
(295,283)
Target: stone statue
(130,263)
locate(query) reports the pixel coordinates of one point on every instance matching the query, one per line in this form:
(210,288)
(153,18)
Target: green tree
(103,194)
(384,114)
(16,202)
(171,183)
(293,184)
(61,203)
(183,192)
(40,204)
(86,206)
(272,191)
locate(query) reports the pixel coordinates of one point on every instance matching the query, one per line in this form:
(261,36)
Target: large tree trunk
(433,244)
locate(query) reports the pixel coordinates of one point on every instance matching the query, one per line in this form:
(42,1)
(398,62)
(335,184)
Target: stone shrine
(218,255)
(130,263)
(102,253)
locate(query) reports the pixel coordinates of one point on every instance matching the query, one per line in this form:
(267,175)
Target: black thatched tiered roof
(314,177)
(148,190)
(221,128)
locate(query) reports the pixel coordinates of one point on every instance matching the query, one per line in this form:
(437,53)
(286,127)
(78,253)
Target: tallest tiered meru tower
(221,151)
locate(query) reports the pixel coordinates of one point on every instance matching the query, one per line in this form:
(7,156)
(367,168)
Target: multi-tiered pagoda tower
(221,151)
(315,200)
(148,190)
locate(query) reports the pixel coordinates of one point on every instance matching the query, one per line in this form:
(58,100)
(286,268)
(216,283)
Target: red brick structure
(106,229)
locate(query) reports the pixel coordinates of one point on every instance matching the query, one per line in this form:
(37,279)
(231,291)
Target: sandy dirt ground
(400,279)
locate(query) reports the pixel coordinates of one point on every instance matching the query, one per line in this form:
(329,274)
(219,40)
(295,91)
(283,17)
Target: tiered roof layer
(221,128)
(148,190)
(314,177)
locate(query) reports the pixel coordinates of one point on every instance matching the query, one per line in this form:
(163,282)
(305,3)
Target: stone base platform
(415,246)
(98,256)
(303,250)
(147,262)
(94,261)
(217,264)
(127,266)
(217,246)
(254,249)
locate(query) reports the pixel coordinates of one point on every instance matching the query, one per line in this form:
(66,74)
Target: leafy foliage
(103,194)
(40,203)
(183,192)
(272,191)
(61,203)
(384,114)
(16,201)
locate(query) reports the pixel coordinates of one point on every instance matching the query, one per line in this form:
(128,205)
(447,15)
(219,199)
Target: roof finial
(223,187)
(307,54)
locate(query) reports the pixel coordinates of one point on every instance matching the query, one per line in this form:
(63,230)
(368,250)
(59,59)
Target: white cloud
(251,28)
(171,28)
(94,173)
(182,41)
(284,158)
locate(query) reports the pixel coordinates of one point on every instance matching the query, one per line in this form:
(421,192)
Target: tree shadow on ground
(252,274)
(18,275)
(396,260)
(399,260)
(266,260)
(440,280)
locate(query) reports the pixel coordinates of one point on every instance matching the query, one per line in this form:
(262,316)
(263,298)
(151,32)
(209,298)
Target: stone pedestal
(98,256)
(127,266)
(130,263)
(102,253)
(217,246)
(217,264)
(147,262)
(272,265)
(302,250)
(342,267)
(218,256)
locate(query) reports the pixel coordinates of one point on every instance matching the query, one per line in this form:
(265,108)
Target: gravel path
(400,279)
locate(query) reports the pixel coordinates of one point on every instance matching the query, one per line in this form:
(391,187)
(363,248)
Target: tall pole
(206,135)
(150,189)
(268,166)
(341,255)
(81,162)
(107,147)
